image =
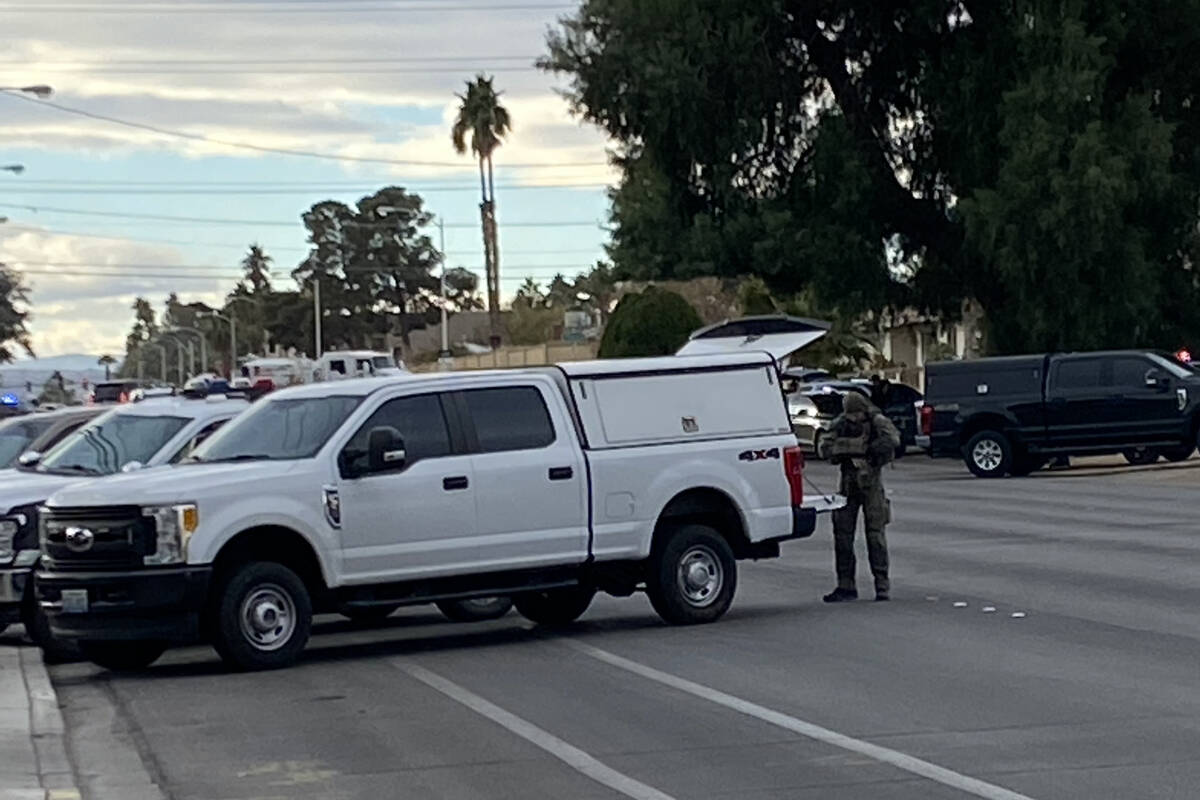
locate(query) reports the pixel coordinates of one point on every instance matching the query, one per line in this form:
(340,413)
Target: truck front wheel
(478,609)
(555,606)
(262,616)
(123,656)
(692,576)
(988,454)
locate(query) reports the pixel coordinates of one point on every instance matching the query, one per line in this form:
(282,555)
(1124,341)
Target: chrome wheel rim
(700,576)
(268,617)
(987,455)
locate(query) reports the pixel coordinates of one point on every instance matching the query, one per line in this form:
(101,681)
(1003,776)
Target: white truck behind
(546,485)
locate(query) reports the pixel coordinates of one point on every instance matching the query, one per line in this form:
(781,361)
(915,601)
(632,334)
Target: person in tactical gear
(864,441)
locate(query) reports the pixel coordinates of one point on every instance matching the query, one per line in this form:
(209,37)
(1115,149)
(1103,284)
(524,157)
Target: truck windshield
(278,430)
(107,445)
(1176,368)
(382,362)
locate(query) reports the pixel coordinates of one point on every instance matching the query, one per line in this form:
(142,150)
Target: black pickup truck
(1011,415)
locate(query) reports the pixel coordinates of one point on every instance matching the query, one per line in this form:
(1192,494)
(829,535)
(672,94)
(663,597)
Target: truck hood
(20,488)
(171,484)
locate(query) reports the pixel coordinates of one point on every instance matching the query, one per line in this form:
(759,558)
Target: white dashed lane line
(895,758)
(567,753)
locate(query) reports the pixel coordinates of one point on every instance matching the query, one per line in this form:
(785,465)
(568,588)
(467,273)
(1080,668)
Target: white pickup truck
(545,485)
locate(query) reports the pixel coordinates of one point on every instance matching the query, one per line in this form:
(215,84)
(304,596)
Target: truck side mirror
(1157,380)
(385,449)
(30,458)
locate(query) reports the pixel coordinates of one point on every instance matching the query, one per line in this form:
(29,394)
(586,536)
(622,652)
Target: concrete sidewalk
(33,756)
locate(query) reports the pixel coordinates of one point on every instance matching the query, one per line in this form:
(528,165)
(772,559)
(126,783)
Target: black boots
(841,596)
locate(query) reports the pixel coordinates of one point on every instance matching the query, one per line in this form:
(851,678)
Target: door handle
(456,483)
(561,473)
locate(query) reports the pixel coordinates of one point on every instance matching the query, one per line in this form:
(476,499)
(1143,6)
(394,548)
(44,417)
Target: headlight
(173,526)
(8,536)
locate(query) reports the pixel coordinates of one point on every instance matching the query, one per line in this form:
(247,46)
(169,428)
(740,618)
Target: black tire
(692,575)
(477,609)
(1177,454)
(1140,456)
(554,607)
(368,613)
(123,656)
(988,454)
(37,628)
(262,616)
(1026,465)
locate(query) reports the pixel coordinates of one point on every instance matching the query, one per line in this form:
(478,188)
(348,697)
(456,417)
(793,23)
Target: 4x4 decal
(758,455)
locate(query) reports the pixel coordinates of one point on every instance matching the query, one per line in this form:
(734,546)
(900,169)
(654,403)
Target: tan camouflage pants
(863,489)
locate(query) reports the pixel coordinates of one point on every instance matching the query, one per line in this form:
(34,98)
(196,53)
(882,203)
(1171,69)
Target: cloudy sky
(93,220)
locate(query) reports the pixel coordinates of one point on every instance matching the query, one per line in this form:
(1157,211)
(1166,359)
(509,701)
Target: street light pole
(317,317)
(203,347)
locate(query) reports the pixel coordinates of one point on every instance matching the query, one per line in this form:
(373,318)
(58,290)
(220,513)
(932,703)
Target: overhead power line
(170,276)
(117,189)
(243,245)
(278,150)
(227,267)
(272,8)
(269,222)
(34,61)
(277,71)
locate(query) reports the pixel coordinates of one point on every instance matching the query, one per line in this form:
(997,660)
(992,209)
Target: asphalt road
(1083,682)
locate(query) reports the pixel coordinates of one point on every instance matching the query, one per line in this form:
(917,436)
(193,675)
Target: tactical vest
(852,438)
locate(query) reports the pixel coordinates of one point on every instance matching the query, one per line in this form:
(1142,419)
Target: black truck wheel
(476,609)
(555,607)
(692,576)
(988,454)
(123,656)
(262,616)
(1139,456)
(37,628)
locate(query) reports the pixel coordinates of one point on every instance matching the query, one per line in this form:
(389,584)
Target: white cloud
(75,313)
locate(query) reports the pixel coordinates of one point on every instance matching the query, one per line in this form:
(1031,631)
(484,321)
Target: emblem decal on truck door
(759,455)
(690,425)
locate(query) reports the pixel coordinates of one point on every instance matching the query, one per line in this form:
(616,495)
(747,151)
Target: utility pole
(445,359)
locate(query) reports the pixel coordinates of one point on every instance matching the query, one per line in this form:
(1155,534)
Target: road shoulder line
(572,756)
(885,755)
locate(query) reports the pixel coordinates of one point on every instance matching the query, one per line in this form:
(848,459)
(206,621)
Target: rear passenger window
(197,440)
(1082,374)
(510,419)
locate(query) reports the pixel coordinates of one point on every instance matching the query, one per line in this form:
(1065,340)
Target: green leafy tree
(482,123)
(57,389)
(256,269)
(1042,158)
(145,328)
(14,318)
(652,323)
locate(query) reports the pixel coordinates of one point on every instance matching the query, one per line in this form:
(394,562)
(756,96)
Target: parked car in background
(115,391)
(32,435)
(123,439)
(1011,415)
(813,410)
(343,364)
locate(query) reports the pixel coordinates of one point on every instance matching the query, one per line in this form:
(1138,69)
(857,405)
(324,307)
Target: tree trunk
(494,272)
(493,300)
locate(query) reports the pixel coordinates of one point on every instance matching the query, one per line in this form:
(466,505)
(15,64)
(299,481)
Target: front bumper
(164,603)
(13,582)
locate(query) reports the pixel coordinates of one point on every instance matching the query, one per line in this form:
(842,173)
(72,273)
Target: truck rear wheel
(123,656)
(555,607)
(692,576)
(477,609)
(262,616)
(988,454)
(1177,454)
(1138,456)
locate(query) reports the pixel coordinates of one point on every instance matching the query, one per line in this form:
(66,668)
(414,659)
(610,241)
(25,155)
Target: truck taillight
(793,466)
(926,420)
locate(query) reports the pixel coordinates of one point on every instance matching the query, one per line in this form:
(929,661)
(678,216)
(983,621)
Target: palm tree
(481,117)
(106,361)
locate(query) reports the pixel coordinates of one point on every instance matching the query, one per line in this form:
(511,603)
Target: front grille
(97,538)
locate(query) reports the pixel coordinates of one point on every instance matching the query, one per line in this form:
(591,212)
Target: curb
(47,730)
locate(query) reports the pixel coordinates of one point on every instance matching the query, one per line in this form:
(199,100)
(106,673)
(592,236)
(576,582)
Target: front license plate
(75,601)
